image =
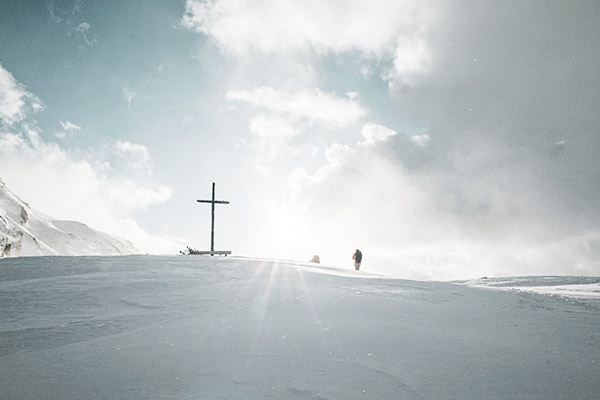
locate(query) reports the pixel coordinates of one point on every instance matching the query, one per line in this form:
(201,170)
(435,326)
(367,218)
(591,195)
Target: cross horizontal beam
(213,201)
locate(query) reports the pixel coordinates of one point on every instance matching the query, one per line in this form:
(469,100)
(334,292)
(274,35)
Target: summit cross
(212,231)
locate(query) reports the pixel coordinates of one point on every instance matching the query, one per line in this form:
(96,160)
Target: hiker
(357,257)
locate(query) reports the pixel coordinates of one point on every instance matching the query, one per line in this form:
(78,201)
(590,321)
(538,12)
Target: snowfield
(194,327)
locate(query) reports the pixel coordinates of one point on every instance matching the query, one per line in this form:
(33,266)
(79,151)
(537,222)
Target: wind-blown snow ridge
(580,287)
(27,232)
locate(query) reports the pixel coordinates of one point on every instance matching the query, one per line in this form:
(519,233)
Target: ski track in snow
(194,327)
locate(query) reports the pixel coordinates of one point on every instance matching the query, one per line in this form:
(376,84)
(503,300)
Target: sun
(288,236)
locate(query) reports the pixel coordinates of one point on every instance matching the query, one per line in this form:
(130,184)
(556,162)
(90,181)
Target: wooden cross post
(212,232)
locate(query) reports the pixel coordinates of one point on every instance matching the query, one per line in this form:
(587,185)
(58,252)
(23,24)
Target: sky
(446,140)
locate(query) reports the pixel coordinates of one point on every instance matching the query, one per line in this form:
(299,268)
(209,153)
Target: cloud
(10,143)
(15,100)
(83,27)
(68,129)
(412,60)
(129,95)
(68,126)
(272,127)
(334,25)
(393,31)
(290,116)
(135,155)
(375,133)
(510,105)
(311,105)
(271,136)
(421,140)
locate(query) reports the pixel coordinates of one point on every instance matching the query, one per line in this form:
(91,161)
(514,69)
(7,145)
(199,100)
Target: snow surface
(576,287)
(199,327)
(27,232)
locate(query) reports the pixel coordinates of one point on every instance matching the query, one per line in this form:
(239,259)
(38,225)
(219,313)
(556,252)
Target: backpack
(358,256)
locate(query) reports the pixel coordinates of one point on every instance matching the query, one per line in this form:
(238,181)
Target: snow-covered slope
(195,327)
(26,232)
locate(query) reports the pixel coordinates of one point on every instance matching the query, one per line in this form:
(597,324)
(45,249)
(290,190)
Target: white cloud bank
(505,178)
(415,224)
(66,186)
(395,31)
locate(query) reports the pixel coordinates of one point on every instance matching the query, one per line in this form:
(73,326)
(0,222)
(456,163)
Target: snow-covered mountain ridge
(27,232)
